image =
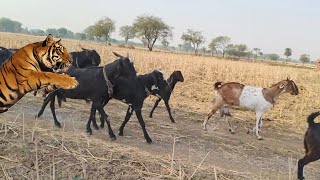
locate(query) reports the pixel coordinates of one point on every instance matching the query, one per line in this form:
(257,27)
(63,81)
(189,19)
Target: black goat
(311,144)
(5,54)
(85,58)
(165,93)
(134,93)
(94,85)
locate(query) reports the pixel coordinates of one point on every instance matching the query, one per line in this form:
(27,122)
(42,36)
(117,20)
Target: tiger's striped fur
(25,71)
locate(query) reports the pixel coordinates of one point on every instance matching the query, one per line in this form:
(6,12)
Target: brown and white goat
(251,98)
(311,144)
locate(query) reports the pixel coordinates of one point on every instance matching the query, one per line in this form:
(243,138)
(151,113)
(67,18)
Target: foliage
(151,28)
(127,32)
(104,27)
(287,52)
(8,25)
(272,56)
(239,50)
(194,37)
(165,43)
(221,43)
(81,36)
(304,58)
(37,32)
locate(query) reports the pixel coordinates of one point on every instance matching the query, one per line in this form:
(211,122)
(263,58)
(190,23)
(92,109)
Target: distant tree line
(151,29)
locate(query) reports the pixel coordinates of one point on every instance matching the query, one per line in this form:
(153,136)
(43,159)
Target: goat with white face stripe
(256,99)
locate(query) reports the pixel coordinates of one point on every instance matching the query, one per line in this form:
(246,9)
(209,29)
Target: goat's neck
(272,93)
(172,82)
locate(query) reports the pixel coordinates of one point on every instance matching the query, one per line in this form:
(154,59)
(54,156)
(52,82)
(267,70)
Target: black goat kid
(94,85)
(311,144)
(165,92)
(134,94)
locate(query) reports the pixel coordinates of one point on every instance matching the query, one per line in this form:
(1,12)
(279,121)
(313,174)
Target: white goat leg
(229,124)
(258,116)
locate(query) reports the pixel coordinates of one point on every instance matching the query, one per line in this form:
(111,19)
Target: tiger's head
(53,55)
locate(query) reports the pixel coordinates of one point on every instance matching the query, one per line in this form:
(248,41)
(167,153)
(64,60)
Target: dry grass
(196,93)
(37,152)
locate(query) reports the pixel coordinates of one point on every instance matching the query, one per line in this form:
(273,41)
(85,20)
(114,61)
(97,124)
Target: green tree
(256,50)
(273,57)
(104,27)
(151,28)
(212,46)
(37,32)
(304,58)
(52,31)
(127,32)
(239,50)
(221,43)
(165,43)
(194,37)
(81,36)
(8,25)
(287,52)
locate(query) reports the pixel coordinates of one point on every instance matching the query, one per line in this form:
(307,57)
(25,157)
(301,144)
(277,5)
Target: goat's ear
(118,55)
(288,78)
(281,86)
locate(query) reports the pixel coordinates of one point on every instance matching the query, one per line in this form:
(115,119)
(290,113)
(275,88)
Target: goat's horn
(127,55)
(118,55)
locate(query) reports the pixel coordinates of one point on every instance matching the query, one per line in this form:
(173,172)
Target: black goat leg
(126,119)
(92,115)
(53,110)
(142,124)
(304,161)
(154,107)
(104,115)
(166,102)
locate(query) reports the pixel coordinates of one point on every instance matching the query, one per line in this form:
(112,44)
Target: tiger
(31,67)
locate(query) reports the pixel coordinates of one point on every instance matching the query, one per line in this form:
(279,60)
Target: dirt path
(240,153)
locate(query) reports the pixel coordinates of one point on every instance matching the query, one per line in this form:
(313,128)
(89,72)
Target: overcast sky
(271,25)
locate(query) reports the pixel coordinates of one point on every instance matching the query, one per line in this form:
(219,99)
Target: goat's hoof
(96,127)
(231,131)
(205,129)
(260,138)
(113,138)
(248,131)
(149,141)
(89,131)
(58,125)
(173,121)
(101,125)
(150,116)
(120,134)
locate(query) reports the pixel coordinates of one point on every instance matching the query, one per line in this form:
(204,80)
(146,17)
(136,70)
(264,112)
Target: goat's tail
(311,118)
(217,85)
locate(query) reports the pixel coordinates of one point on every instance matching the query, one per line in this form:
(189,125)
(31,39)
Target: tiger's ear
(47,40)
(59,41)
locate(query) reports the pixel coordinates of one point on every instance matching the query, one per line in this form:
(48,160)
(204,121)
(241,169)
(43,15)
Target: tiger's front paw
(68,82)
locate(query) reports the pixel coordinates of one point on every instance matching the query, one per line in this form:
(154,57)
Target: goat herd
(118,80)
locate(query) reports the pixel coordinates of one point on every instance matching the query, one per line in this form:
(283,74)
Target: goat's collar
(108,82)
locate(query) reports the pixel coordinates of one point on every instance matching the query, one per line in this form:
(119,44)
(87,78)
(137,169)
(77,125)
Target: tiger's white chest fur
(252,98)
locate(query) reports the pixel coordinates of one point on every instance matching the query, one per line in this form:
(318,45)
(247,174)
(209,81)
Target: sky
(271,25)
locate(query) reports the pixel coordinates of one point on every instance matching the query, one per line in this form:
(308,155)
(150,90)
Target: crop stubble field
(68,153)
